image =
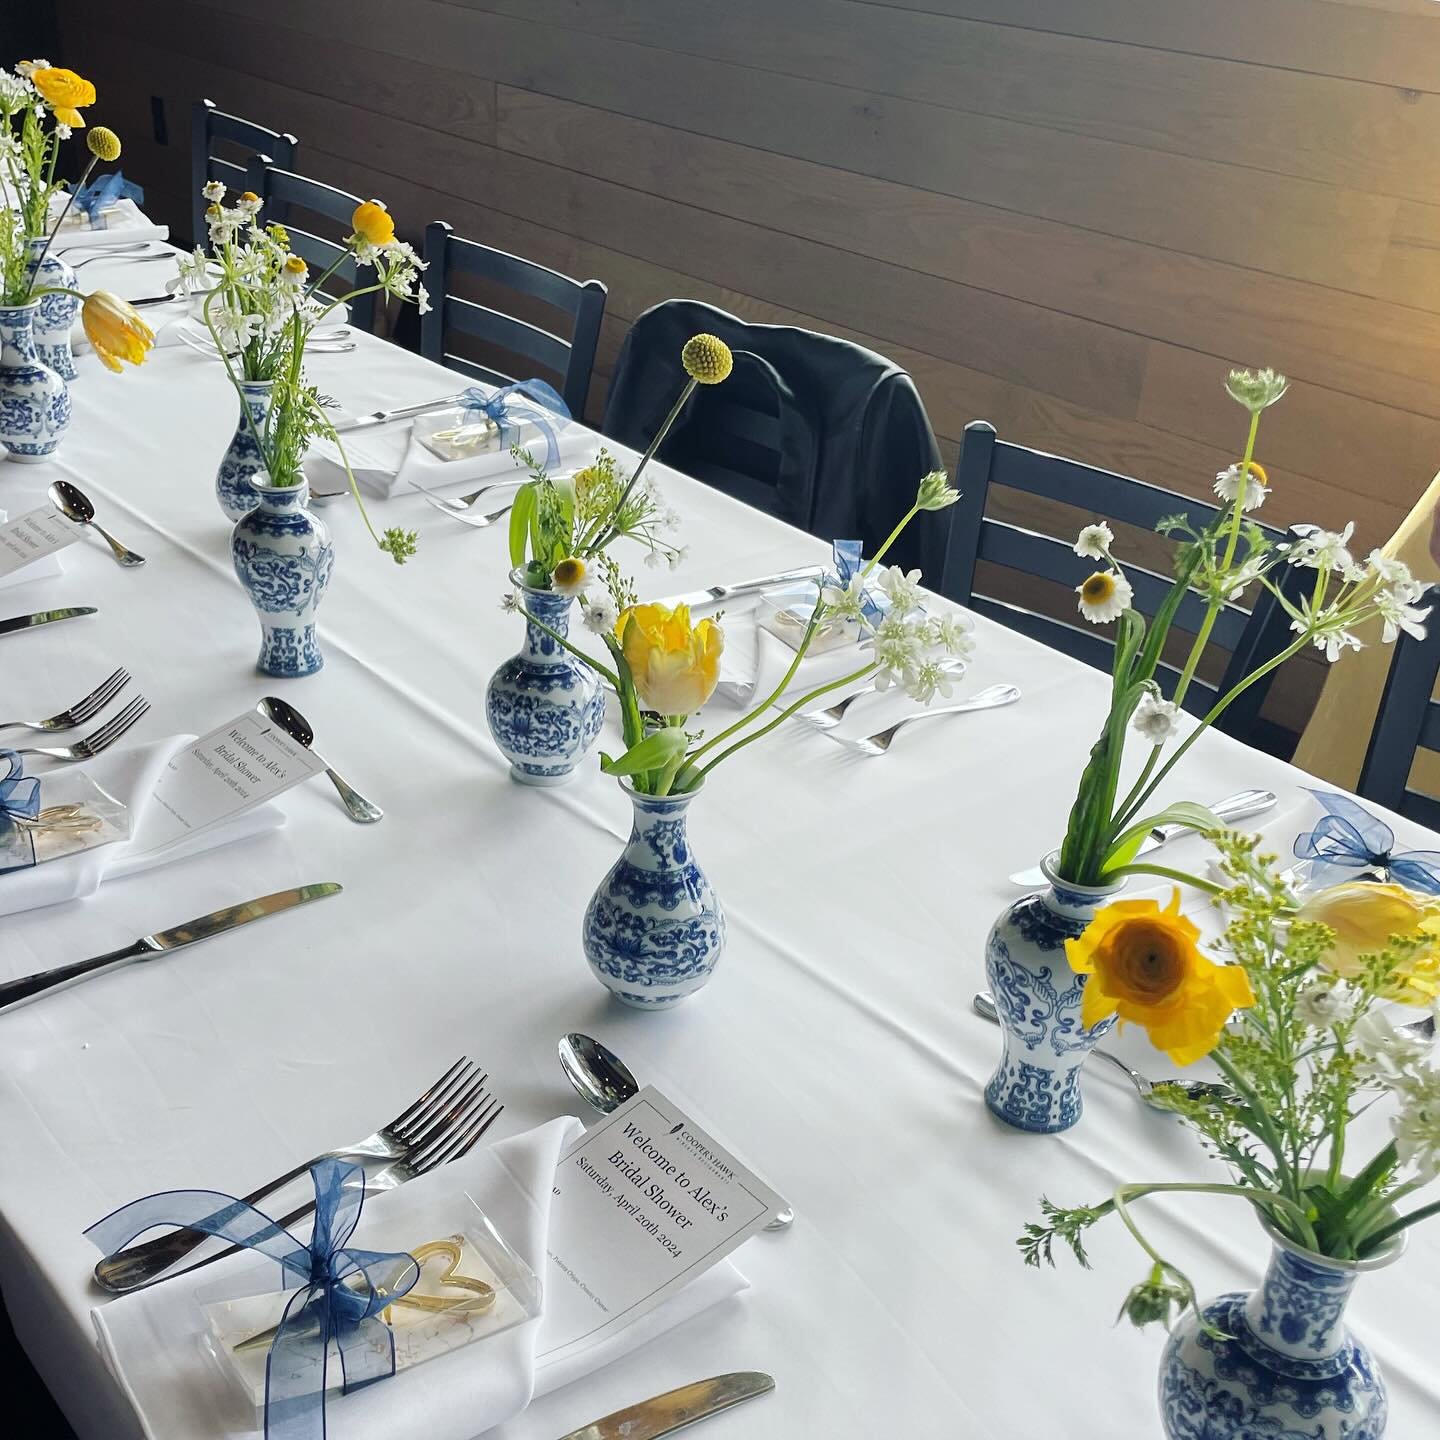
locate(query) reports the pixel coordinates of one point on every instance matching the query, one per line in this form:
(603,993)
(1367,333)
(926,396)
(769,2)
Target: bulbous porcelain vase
(34,400)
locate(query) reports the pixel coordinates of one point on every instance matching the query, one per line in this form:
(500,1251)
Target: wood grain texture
(1068,217)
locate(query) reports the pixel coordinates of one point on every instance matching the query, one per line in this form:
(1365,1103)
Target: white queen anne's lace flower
(1324,1003)
(1388,1055)
(900,588)
(1156,719)
(1227,487)
(1417,1126)
(1094,541)
(1324,550)
(1327,629)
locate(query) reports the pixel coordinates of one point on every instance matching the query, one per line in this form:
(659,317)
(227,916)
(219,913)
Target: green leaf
(652,753)
(1183,812)
(521,514)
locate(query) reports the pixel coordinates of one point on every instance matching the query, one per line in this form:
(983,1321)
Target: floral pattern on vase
(34,400)
(57,312)
(654,930)
(242,460)
(283,557)
(1290,1370)
(1036,1086)
(544,706)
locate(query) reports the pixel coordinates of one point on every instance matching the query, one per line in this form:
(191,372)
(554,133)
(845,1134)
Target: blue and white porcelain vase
(243,461)
(57,312)
(1290,1370)
(34,400)
(654,929)
(544,706)
(1036,1086)
(283,557)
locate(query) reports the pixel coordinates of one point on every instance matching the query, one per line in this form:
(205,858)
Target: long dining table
(835,1049)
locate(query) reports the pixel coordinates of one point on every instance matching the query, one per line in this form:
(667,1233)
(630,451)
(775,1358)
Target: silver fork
(879,743)
(442,1125)
(98,740)
(81,710)
(125,255)
(832,715)
(480,522)
(462,503)
(113,252)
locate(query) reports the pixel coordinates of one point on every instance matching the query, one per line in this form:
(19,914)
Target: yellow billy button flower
(116,330)
(372,222)
(104,144)
(63,90)
(676,665)
(1145,966)
(1362,918)
(707,359)
(568,577)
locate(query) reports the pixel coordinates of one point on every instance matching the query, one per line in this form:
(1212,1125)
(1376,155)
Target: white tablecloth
(835,1048)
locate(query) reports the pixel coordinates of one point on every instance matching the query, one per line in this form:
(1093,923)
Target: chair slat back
(209,126)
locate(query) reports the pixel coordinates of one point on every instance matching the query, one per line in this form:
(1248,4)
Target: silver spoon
(74,504)
(294,724)
(984,1003)
(602,1079)
(106,252)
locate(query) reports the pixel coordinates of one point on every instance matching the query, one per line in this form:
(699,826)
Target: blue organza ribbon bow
(19,800)
(94,197)
(846,557)
(1349,837)
(526,402)
(342,1290)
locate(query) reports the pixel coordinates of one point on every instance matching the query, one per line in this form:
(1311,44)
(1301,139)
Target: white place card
(234,768)
(33,536)
(643,1202)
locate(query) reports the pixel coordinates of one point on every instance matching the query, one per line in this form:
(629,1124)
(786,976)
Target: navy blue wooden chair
(987,462)
(287,193)
(210,127)
(1408,721)
(570,361)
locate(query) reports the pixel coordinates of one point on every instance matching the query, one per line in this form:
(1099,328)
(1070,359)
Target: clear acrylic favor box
(75,815)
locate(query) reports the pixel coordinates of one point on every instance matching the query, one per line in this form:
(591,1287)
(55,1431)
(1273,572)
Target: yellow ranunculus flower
(63,90)
(372,222)
(66,116)
(1363,917)
(116,330)
(1145,966)
(676,665)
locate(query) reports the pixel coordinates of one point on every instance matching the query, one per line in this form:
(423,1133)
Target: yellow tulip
(63,90)
(1363,917)
(676,665)
(372,222)
(116,330)
(1145,966)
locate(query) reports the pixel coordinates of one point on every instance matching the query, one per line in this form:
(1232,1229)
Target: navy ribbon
(1349,837)
(341,1294)
(93,197)
(526,402)
(19,800)
(846,556)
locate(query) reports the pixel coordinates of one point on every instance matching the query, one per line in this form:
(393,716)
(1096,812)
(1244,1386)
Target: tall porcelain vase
(654,929)
(242,461)
(1036,1086)
(544,706)
(57,312)
(283,558)
(1290,1368)
(34,400)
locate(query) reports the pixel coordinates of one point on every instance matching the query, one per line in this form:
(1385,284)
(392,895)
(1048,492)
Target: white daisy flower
(1105,596)
(1094,541)
(213,191)
(1156,719)
(569,576)
(1227,486)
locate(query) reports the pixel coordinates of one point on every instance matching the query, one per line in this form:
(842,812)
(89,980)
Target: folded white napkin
(127,225)
(388,460)
(152,1339)
(130,776)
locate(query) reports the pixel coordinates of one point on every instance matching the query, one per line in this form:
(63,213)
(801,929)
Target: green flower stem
(1265,1127)
(50,238)
(559,639)
(784,715)
(1375,1241)
(1260,1199)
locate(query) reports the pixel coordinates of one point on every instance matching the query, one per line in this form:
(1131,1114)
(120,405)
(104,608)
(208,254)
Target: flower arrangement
(1291,1020)
(261,307)
(664,667)
(1219,563)
(560,529)
(40,107)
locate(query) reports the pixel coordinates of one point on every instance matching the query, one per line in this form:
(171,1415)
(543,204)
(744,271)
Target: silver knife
(43,617)
(676,1408)
(404,412)
(1240,806)
(167,299)
(716,593)
(147,947)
